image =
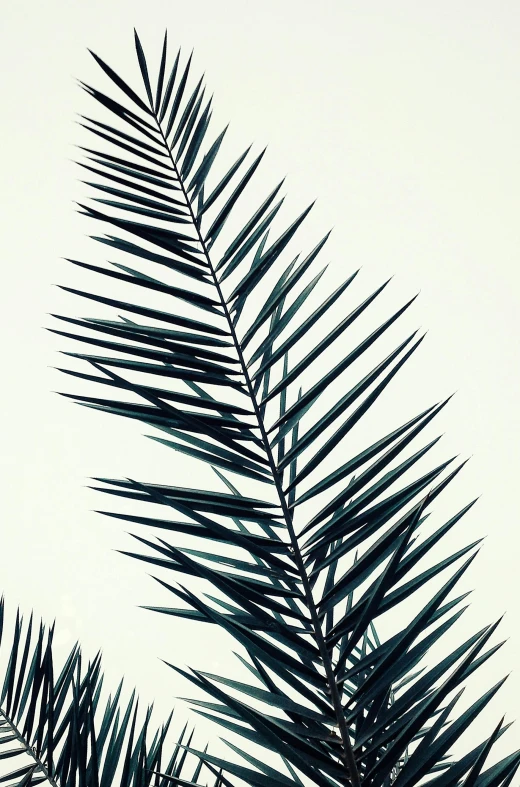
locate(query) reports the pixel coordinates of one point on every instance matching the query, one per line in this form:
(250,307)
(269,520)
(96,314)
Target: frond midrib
(38,764)
(348,757)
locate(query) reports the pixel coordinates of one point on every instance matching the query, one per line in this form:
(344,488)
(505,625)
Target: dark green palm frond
(234,351)
(53,729)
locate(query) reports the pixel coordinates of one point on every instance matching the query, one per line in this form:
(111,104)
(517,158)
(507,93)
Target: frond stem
(349,758)
(28,748)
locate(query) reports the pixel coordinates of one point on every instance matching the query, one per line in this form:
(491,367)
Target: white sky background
(403,120)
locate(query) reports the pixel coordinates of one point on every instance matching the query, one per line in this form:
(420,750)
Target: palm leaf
(299,592)
(52,726)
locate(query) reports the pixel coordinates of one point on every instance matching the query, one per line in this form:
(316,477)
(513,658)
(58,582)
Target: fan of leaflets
(52,729)
(339,706)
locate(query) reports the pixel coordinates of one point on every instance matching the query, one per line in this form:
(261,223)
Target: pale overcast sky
(402,119)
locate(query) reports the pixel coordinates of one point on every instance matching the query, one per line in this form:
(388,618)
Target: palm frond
(301,593)
(53,728)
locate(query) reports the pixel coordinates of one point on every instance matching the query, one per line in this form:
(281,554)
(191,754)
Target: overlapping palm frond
(300,593)
(52,728)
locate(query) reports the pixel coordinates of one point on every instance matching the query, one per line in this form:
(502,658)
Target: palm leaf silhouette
(300,593)
(52,728)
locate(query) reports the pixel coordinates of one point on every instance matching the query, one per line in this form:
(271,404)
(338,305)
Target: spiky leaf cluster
(53,729)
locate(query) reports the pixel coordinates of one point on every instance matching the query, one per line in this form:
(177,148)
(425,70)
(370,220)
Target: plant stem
(348,757)
(28,748)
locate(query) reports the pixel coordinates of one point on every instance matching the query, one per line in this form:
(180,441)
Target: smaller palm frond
(53,729)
